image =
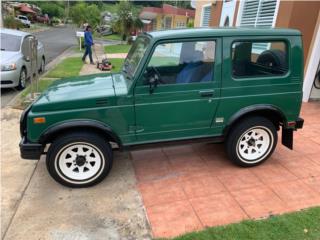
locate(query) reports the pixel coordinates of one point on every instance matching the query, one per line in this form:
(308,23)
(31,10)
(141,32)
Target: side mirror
(153,83)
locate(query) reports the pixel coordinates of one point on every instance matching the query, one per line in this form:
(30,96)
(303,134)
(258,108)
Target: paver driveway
(190,187)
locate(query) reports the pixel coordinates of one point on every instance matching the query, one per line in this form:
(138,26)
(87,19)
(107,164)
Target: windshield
(135,55)
(10,42)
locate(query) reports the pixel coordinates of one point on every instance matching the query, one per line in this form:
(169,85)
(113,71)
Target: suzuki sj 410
(235,85)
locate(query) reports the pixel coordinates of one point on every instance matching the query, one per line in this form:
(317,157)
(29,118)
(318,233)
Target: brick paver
(190,187)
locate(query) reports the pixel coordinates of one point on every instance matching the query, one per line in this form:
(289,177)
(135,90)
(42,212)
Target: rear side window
(259,59)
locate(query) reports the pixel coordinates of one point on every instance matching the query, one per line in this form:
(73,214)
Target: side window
(183,62)
(254,59)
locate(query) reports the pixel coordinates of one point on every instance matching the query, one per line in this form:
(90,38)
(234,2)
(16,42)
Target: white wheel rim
(23,78)
(79,162)
(255,144)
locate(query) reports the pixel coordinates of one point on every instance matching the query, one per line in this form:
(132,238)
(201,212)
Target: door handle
(206,93)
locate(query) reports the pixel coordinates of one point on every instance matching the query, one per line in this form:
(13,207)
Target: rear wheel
(79,159)
(252,141)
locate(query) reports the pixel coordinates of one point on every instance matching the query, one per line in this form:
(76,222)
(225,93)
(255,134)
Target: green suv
(234,85)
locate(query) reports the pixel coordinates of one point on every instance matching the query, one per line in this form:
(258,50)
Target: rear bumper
(29,150)
(299,123)
(287,133)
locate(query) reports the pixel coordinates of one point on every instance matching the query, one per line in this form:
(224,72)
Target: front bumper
(10,79)
(30,150)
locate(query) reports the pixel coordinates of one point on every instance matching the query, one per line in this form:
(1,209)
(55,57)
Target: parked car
(15,67)
(238,86)
(42,19)
(24,20)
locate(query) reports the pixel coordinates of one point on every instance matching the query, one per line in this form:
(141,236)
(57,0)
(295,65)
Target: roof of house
(167,9)
(24,8)
(216,32)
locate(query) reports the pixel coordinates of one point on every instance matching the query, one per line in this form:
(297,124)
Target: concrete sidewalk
(36,207)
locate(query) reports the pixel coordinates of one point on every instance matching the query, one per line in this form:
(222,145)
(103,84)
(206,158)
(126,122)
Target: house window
(167,22)
(181,25)
(154,24)
(206,15)
(258,13)
(247,63)
(255,13)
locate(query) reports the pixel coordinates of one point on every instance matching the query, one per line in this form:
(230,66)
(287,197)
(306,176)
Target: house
(167,17)
(302,15)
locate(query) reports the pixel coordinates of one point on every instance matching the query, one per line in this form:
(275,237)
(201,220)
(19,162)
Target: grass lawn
(43,85)
(69,67)
(293,226)
(109,37)
(120,48)
(117,64)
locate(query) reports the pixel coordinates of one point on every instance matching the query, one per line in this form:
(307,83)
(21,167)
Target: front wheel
(79,159)
(22,79)
(252,141)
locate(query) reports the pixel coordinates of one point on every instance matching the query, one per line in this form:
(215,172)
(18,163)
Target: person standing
(88,42)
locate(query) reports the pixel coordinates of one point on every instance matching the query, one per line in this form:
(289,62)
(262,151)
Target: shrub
(11,22)
(55,21)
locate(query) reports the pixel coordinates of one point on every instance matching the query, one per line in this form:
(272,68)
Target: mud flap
(287,138)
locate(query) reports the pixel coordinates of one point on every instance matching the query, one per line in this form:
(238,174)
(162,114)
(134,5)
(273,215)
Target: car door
(26,52)
(183,103)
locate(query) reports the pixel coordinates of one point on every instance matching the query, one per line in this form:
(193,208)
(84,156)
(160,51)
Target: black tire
(62,146)
(43,65)
(275,58)
(22,82)
(247,143)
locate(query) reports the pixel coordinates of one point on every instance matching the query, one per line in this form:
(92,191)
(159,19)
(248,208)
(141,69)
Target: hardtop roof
(223,31)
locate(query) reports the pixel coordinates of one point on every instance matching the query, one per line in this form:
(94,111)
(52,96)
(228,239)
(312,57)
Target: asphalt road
(55,41)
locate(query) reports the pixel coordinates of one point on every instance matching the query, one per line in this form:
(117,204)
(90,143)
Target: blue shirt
(88,41)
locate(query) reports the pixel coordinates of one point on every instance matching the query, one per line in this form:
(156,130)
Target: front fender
(60,127)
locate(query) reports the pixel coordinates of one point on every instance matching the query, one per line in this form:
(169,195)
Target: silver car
(15,67)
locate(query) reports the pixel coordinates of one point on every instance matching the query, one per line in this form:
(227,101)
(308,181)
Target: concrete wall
(216,10)
(199,5)
(301,15)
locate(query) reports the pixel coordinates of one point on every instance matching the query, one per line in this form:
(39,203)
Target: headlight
(8,67)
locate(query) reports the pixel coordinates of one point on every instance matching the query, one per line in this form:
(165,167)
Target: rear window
(258,59)
(10,42)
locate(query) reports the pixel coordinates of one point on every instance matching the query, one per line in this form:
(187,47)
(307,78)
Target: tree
(128,19)
(83,13)
(52,9)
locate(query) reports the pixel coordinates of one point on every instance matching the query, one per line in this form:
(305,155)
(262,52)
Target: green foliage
(11,22)
(119,48)
(128,19)
(292,226)
(116,64)
(69,67)
(190,24)
(83,13)
(52,9)
(179,3)
(55,20)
